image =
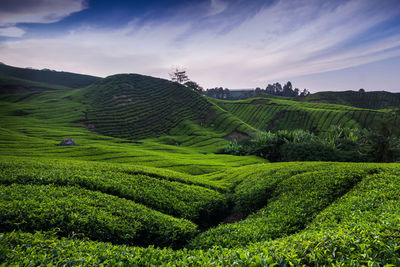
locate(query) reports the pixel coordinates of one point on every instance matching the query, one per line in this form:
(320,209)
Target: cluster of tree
(218,92)
(338,144)
(272,89)
(286,90)
(181,77)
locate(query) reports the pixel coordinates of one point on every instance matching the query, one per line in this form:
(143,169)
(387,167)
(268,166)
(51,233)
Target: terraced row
(98,216)
(137,106)
(289,200)
(285,114)
(106,202)
(314,214)
(169,193)
(368,100)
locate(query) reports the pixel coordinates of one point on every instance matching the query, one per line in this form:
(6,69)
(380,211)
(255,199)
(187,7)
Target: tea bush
(93,214)
(175,198)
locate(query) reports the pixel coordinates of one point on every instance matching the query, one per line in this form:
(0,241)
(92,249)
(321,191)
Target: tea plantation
(274,113)
(371,100)
(136,106)
(146,184)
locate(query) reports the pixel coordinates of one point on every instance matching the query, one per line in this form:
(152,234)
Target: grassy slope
(367,100)
(136,107)
(275,113)
(13,76)
(121,191)
(10,84)
(33,123)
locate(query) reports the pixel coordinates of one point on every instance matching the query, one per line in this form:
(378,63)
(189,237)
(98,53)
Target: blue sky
(316,44)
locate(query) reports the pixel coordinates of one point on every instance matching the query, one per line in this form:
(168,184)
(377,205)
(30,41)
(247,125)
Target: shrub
(95,215)
(338,144)
(312,151)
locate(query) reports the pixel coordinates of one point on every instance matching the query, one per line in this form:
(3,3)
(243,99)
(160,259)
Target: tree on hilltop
(179,76)
(219,93)
(194,86)
(305,92)
(287,90)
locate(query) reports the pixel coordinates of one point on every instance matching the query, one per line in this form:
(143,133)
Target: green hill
(34,122)
(274,114)
(367,100)
(19,80)
(137,106)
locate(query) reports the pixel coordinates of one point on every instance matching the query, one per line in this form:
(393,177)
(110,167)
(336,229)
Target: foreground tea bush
(259,186)
(95,215)
(294,201)
(171,197)
(359,228)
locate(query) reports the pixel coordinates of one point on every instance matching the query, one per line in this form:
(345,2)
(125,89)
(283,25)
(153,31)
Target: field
(146,184)
(271,113)
(369,100)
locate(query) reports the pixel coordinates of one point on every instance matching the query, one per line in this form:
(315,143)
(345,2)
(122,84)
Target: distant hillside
(14,79)
(137,106)
(276,114)
(134,106)
(370,100)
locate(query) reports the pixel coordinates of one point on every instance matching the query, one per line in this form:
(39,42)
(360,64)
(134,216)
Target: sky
(316,44)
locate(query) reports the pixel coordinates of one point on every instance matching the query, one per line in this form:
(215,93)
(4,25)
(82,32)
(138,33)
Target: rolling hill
(36,121)
(270,113)
(144,185)
(137,106)
(19,80)
(367,100)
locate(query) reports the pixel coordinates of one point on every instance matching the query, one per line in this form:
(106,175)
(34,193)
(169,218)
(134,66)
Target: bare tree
(179,76)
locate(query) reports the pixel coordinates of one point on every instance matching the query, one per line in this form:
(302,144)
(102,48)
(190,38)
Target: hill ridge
(14,79)
(139,106)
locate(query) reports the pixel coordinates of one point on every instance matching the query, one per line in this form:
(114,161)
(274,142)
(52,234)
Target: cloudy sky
(316,44)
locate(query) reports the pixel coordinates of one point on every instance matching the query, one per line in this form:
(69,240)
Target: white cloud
(217,7)
(12,32)
(284,40)
(13,12)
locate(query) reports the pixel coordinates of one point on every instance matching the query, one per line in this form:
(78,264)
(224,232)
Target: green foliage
(338,144)
(359,228)
(59,204)
(96,215)
(382,148)
(313,151)
(293,200)
(49,77)
(194,86)
(190,202)
(12,85)
(32,125)
(156,191)
(235,148)
(271,113)
(337,133)
(258,183)
(370,100)
(137,106)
